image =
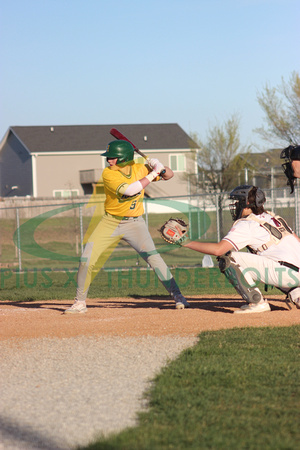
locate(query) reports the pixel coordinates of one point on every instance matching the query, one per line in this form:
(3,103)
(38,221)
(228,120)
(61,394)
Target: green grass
(46,284)
(61,235)
(235,389)
(123,256)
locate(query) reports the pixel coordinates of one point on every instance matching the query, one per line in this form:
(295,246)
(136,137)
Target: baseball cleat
(262,306)
(295,299)
(77,308)
(296,302)
(181,302)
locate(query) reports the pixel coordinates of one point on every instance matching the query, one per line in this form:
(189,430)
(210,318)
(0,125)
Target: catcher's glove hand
(174,231)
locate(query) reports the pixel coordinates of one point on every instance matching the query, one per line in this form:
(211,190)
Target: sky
(191,62)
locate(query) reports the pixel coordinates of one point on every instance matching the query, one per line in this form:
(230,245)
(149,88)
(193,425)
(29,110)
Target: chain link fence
(48,234)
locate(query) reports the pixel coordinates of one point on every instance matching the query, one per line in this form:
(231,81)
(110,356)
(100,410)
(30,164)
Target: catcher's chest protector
(277,231)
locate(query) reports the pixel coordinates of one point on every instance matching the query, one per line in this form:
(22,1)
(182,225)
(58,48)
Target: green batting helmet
(122,150)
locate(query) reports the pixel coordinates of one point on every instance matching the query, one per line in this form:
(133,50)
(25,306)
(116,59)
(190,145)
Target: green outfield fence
(47,234)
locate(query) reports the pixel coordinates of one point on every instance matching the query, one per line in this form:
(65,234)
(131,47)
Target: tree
(218,161)
(281,106)
(219,164)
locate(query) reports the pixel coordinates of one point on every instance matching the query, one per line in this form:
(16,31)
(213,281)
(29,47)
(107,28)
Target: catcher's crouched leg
(233,273)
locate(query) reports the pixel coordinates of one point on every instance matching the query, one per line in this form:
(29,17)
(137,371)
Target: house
(263,169)
(65,161)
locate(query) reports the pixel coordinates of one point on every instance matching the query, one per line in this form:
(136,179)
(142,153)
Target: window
(65,193)
(177,162)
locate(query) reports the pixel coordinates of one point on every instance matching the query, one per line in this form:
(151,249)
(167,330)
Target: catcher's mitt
(174,231)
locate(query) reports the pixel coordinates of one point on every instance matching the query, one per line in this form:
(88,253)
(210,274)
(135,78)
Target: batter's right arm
(137,186)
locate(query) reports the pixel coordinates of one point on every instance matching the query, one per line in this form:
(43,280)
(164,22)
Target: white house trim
(34,175)
(84,152)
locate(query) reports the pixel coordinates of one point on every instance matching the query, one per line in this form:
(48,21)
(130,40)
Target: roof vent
(51,129)
(145,138)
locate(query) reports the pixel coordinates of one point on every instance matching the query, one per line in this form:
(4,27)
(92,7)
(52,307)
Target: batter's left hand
(159,167)
(152,162)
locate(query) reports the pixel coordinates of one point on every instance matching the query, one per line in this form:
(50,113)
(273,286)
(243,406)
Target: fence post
(204,221)
(19,239)
(190,216)
(146,211)
(198,218)
(297,210)
(218,217)
(81,228)
(272,190)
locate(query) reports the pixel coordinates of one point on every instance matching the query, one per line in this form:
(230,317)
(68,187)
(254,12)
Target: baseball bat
(118,135)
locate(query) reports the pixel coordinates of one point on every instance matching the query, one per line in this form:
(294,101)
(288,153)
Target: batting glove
(158,167)
(152,162)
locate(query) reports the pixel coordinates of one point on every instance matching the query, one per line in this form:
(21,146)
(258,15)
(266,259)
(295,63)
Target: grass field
(56,244)
(235,389)
(46,284)
(58,240)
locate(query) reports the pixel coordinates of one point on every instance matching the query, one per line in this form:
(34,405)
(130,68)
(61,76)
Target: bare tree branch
(281,106)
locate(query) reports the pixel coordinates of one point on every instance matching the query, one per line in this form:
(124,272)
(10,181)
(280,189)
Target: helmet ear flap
(260,198)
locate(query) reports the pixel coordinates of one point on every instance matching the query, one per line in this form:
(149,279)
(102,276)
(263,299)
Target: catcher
(124,184)
(274,256)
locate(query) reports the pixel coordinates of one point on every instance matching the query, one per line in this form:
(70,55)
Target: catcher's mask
(240,194)
(122,150)
(289,154)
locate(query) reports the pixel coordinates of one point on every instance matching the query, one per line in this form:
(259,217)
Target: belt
(121,217)
(291,266)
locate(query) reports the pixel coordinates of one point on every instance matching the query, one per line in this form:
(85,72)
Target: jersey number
(133,204)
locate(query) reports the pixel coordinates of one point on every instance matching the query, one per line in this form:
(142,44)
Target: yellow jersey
(116,203)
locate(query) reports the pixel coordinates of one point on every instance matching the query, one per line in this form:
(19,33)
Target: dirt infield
(136,317)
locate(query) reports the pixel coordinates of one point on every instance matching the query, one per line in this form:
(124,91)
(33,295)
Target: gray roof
(264,160)
(72,138)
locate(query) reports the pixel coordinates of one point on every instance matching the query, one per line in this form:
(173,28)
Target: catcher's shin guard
(233,273)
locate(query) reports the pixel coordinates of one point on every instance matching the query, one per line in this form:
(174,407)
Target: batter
(124,184)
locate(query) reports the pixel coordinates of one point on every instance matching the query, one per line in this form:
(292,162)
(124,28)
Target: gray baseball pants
(103,241)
